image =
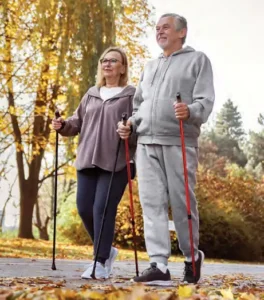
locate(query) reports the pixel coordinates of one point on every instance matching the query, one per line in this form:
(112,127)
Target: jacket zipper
(154,102)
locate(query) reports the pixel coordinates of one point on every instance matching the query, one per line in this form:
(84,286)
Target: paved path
(69,271)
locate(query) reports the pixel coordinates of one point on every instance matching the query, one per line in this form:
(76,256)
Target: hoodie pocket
(143,118)
(163,117)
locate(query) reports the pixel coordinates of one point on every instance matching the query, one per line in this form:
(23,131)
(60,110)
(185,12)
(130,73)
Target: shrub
(231,215)
(231,218)
(70,227)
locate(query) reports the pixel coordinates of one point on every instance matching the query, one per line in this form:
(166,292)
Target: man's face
(167,34)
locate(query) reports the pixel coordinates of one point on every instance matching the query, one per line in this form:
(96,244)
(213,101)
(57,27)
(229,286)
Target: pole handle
(57,114)
(124,118)
(178,96)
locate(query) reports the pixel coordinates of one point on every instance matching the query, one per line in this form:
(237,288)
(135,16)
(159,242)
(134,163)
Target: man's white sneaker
(100,272)
(110,261)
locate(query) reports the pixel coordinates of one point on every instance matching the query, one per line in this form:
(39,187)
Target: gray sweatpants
(160,180)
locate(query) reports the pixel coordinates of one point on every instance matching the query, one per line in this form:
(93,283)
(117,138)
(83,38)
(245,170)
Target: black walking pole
(105,210)
(57,115)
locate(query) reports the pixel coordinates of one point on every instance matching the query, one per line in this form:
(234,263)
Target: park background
(48,56)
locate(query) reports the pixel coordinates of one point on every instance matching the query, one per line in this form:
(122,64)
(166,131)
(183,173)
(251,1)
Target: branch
(38,223)
(4,164)
(14,74)
(6,202)
(69,190)
(2,150)
(53,171)
(40,227)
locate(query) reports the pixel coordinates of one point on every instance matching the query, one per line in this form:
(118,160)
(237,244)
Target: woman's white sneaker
(100,272)
(109,263)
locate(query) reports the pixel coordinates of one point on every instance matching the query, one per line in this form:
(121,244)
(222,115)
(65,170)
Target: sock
(162,267)
(189,259)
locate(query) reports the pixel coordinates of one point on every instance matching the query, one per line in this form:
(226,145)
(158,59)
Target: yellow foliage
(19,248)
(12,110)
(128,10)
(45,288)
(134,26)
(246,296)
(61,98)
(70,171)
(227,294)
(186,291)
(94,295)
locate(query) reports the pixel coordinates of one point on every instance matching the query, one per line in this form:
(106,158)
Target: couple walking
(153,130)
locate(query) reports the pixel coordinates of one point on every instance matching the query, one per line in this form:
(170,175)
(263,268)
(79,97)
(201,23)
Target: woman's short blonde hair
(100,79)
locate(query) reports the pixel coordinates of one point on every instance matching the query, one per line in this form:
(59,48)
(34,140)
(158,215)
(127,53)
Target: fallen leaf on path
(186,291)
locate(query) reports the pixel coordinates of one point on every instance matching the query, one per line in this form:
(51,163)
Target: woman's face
(112,65)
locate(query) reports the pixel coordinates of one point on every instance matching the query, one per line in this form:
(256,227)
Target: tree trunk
(43,229)
(28,198)
(43,233)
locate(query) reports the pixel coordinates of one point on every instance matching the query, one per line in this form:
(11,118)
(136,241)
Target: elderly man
(155,120)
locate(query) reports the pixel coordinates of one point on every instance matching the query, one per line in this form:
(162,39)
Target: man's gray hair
(180,22)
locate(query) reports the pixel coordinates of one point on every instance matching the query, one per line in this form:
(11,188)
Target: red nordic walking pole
(124,119)
(188,205)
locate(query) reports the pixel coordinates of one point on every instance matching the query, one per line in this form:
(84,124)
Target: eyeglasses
(112,61)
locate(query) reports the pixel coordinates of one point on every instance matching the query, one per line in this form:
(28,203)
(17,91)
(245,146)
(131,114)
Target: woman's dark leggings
(92,187)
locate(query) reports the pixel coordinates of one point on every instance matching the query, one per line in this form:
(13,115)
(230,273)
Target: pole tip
(53,266)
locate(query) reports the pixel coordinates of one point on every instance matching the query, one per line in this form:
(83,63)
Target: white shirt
(107,93)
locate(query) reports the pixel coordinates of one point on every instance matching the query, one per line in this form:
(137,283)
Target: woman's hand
(57,123)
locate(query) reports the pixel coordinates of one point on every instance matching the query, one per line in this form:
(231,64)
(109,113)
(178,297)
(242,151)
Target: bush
(123,229)
(231,218)
(70,227)
(226,236)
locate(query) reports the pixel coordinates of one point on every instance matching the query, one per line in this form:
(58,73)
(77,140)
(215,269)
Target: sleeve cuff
(62,127)
(195,112)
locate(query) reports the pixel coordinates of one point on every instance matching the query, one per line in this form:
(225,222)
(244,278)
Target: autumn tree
(209,159)
(228,134)
(254,150)
(48,56)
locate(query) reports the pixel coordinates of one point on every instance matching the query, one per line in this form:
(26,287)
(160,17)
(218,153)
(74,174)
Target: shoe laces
(153,266)
(97,264)
(188,270)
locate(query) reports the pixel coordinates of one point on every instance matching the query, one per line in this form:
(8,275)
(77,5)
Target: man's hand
(182,111)
(57,123)
(124,131)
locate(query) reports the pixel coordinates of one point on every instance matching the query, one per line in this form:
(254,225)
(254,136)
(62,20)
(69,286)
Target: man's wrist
(189,112)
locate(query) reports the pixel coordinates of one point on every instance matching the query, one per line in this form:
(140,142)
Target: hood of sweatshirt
(161,57)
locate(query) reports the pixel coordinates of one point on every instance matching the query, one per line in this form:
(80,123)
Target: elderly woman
(96,121)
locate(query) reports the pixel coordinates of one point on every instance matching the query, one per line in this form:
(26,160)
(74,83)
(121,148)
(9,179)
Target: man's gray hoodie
(187,72)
